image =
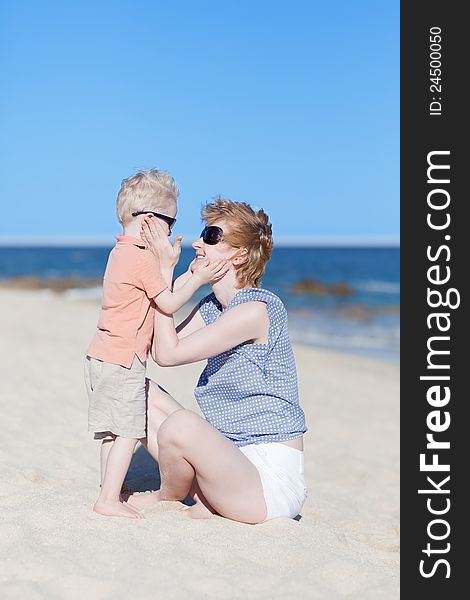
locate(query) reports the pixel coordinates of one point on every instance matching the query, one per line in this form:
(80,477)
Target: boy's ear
(240,256)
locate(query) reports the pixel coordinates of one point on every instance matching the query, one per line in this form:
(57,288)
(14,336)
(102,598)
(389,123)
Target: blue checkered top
(249,393)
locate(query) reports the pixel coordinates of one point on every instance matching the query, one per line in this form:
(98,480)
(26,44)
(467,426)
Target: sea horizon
(106,241)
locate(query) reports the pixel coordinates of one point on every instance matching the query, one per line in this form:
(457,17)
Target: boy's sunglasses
(170,220)
(212,235)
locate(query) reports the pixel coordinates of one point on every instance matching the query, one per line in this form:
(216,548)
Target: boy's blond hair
(247,228)
(146,190)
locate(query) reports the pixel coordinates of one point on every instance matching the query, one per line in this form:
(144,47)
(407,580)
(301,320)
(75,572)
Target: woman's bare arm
(246,322)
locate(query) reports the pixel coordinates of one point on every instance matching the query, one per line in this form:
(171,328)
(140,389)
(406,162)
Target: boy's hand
(197,263)
(154,236)
(210,272)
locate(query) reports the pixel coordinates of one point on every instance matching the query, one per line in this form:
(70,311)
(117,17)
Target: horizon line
(108,241)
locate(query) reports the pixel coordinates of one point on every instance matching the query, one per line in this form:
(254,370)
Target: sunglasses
(169,220)
(212,235)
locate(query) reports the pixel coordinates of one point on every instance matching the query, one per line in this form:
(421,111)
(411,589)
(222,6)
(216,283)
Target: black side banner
(434,292)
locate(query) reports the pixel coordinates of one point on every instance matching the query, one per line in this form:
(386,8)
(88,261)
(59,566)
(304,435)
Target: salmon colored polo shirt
(125,326)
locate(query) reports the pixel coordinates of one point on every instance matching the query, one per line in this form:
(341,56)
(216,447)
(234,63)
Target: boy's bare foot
(144,500)
(117,509)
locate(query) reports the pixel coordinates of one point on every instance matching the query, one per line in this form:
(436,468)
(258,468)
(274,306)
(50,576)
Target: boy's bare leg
(106,446)
(117,463)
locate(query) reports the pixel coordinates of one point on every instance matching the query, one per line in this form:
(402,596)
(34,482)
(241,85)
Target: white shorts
(281,469)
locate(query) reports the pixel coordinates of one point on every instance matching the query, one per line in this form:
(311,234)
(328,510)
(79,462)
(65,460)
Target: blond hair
(146,190)
(248,228)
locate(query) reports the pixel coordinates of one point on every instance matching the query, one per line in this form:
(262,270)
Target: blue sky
(291,106)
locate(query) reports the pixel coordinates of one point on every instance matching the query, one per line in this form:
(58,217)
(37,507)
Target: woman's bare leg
(159,406)
(190,447)
(202,509)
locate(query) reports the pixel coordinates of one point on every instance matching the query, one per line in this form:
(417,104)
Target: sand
(53,546)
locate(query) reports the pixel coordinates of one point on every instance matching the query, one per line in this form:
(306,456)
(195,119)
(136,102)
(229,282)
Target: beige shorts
(117,399)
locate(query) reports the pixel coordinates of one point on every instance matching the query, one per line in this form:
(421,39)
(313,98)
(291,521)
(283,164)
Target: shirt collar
(130,240)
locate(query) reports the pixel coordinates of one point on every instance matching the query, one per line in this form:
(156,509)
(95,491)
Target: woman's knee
(178,427)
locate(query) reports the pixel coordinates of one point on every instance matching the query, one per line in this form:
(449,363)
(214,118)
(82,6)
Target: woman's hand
(154,236)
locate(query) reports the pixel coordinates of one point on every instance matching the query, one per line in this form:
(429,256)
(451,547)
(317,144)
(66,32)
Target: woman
(244,461)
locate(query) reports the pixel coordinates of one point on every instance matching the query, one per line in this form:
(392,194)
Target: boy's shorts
(117,399)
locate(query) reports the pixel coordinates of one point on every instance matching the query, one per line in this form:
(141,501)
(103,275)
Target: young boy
(116,358)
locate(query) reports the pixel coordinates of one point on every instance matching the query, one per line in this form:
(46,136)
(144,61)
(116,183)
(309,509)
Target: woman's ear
(239,257)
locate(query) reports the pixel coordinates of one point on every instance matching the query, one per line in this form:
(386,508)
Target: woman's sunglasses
(170,220)
(212,235)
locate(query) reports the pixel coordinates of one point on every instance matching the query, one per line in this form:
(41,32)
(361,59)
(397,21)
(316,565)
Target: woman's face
(219,251)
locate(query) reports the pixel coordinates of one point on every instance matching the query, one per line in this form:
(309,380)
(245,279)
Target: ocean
(340,298)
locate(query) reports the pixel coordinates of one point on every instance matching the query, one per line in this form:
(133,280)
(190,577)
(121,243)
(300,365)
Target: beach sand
(346,545)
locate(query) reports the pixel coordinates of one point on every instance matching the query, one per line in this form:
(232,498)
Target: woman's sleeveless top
(249,393)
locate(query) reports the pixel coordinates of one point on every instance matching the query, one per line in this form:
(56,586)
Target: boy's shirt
(125,326)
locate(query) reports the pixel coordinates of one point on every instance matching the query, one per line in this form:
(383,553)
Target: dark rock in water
(357,312)
(340,289)
(57,285)
(317,288)
(365,313)
(393,309)
(309,286)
